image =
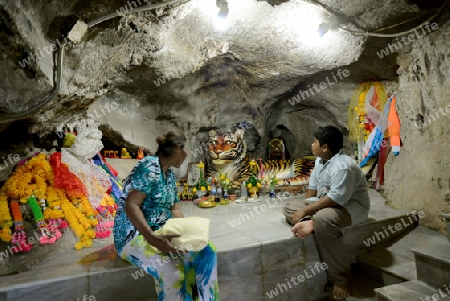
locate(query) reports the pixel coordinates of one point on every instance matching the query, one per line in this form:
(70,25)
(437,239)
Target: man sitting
(343,200)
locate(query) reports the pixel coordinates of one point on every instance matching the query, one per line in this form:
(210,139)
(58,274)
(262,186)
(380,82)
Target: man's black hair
(331,136)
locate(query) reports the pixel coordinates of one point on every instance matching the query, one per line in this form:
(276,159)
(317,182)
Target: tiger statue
(288,172)
(227,154)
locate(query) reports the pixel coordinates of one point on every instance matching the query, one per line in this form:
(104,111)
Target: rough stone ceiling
(269,50)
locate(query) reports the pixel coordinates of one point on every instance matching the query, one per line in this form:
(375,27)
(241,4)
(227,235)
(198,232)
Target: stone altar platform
(257,258)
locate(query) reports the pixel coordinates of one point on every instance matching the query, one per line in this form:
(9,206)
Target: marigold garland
(5,217)
(107,206)
(53,210)
(20,186)
(19,237)
(79,224)
(87,209)
(107,201)
(17,214)
(5,234)
(36,210)
(106,211)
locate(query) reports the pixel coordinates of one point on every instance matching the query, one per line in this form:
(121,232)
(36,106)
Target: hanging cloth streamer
(366,104)
(387,126)
(372,117)
(394,127)
(380,120)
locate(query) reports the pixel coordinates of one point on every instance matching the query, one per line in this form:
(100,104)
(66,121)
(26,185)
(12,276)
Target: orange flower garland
(53,210)
(5,217)
(107,201)
(19,238)
(5,234)
(19,185)
(79,224)
(88,211)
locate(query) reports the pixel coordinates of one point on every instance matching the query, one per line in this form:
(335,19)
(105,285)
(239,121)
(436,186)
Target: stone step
(397,263)
(379,274)
(412,290)
(103,280)
(433,264)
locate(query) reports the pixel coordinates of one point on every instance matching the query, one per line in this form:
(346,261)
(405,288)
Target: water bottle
(219,192)
(244,195)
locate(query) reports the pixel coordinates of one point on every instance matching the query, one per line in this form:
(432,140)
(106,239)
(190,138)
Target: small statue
(185,193)
(87,142)
(277,149)
(125,154)
(273,181)
(42,203)
(140,153)
(110,154)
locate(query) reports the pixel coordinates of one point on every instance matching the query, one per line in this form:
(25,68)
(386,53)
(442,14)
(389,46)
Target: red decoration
(64,179)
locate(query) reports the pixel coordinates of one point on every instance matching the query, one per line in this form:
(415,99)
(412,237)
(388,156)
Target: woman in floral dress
(148,200)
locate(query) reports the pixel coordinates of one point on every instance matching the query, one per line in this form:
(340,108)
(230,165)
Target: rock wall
(176,72)
(419,178)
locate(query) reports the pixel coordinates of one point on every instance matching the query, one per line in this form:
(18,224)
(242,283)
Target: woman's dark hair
(169,142)
(331,136)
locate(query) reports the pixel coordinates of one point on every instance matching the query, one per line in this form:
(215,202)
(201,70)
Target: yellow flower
(203,188)
(249,185)
(5,234)
(90,233)
(78,245)
(258,184)
(201,165)
(78,222)
(194,190)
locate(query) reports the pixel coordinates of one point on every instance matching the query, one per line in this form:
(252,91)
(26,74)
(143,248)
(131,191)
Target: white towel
(193,231)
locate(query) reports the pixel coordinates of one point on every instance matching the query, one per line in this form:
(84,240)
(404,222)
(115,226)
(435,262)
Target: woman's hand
(163,243)
(176,211)
(134,212)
